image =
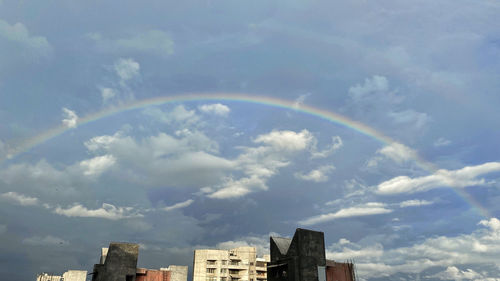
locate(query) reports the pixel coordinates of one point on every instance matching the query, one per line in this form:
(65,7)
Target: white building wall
(75,275)
(48,277)
(177,272)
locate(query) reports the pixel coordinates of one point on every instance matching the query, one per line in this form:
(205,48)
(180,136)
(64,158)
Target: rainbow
(232,97)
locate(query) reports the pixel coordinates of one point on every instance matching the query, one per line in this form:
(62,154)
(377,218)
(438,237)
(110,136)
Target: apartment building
(238,264)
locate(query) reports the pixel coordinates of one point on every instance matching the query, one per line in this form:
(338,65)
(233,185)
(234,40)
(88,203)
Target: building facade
(70,275)
(238,264)
(302,258)
(48,277)
(119,262)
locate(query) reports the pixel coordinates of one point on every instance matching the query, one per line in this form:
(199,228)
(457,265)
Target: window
(210,270)
(251,263)
(223,279)
(223,270)
(211,262)
(224,262)
(211,279)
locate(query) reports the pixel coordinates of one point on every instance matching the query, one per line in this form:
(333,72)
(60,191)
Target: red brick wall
(153,275)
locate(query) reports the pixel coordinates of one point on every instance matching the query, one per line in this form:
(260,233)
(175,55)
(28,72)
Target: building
(48,277)
(70,275)
(119,262)
(340,271)
(177,272)
(302,258)
(238,264)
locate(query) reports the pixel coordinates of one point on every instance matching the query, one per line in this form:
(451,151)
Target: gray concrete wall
(120,263)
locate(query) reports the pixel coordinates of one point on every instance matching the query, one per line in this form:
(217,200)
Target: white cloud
(102,143)
(398,152)
(373,261)
(18,34)
(368,209)
(372,85)
(286,140)
(43,180)
(350,251)
(237,188)
(415,203)
(126,69)
(179,205)
(185,159)
(70,118)
(153,41)
(318,175)
(442,142)
(107,94)
(335,145)
(453,273)
(464,177)
(217,109)
(48,240)
(261,243)
(262,162)
(177,115)
(19,199)
(300,100)
(493,224)
(107,211)
(97,165)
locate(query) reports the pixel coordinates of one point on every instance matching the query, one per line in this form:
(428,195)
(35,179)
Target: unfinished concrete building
(302,258)
(119,263)
(240,264)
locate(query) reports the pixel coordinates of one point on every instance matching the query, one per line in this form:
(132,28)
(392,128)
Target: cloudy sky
(188,124)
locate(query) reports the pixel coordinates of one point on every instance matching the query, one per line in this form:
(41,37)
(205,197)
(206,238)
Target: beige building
(177,272)
(75,275)
(70,275)
(48,277)
(239,264)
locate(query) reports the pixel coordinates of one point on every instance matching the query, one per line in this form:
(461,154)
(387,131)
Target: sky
(182,125)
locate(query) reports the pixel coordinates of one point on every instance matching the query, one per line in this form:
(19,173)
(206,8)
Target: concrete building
(74,275)
(239,264)
(70,275)
(171,273)
(302,258)
(119,263)
(177,272)
(48,277)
